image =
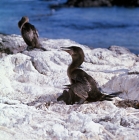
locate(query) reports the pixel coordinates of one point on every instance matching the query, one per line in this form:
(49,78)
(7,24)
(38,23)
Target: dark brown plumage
(29,33)
(68,97)
(82,84)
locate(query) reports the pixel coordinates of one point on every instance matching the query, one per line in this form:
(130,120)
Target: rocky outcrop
(129,3)
(97,3)
(31,81)
(88,3)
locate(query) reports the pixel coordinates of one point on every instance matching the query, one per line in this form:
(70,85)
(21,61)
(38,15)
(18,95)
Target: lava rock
(97,3)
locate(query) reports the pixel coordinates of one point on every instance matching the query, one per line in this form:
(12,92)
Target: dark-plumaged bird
(82,84)
(68,97)
(29,34)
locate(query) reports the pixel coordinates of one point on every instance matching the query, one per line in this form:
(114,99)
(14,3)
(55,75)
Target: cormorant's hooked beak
(67,49)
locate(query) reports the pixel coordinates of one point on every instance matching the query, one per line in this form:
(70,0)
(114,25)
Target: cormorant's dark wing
(35,32)
(81,85)
(80,90)
(31,36)
(28,34)
(35,39)
(81,76)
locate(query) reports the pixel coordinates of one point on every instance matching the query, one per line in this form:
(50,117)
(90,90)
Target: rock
(88,3)
(31,81)
(128,3)
(119,50)
(11,44)
(96,3)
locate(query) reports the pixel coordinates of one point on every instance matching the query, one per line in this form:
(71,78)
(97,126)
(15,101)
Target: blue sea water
(94,27)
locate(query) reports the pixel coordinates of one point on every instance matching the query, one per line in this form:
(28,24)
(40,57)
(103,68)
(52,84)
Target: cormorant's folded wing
(80,90)
(35,32)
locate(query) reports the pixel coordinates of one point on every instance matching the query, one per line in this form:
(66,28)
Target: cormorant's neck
(75,64)
(23,24)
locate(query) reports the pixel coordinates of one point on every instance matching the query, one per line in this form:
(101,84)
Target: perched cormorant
(29,33)
(82,84)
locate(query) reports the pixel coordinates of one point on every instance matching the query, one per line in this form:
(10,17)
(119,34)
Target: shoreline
(44,39)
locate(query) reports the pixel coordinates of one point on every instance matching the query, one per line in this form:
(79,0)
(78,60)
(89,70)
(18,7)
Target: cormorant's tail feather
(110,96)
(42,49)
(40,46)
(115,93)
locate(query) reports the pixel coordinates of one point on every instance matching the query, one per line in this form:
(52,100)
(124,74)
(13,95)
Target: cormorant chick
(29,34)
(68,97)
(82,84)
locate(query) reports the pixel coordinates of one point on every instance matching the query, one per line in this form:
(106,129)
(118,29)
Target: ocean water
(94,27)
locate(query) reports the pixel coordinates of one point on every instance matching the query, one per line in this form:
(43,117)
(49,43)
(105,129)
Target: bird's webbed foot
(29,48)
